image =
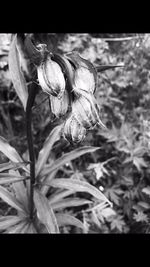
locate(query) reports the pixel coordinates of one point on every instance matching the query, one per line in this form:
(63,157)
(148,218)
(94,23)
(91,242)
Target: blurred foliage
(121,167)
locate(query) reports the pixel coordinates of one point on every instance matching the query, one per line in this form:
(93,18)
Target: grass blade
(17,228)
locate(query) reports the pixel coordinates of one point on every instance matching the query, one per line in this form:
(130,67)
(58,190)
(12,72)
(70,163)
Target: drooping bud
(60,106)
(85,74)
(51,78)
(86,111)
(73,130)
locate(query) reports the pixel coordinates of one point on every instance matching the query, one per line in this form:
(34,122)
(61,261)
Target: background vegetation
(120,169)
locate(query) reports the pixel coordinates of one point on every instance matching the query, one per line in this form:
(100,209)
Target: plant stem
(30,102)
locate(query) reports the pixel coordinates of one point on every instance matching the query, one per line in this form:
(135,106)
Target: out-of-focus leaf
(140,217)
(16,74)
(45,212)
(79,186)
(69,202)
(66,219)
(9,151)
(68,157)
(45,151)
(118,223)
(8,221)
(7,197)
(146,190)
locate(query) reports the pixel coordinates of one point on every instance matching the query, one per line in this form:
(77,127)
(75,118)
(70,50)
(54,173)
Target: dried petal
(51,78)
(59,106)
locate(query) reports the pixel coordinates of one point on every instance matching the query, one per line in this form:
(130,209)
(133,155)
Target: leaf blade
(79,186)
(66,219)
(45,151)
(17,77)
(68,157)
(7,197)
(45,212)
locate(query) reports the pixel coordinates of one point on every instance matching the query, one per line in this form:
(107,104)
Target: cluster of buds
(70,81)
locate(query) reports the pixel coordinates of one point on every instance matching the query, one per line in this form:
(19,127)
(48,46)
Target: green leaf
(7,197)
(66,219)
(45,212)
(8,221)
(79,186)
(16,74)
(69,202)
(113,193)
(9,151)
(48,144)
(68,157)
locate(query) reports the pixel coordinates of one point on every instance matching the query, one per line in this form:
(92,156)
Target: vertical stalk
(30,102)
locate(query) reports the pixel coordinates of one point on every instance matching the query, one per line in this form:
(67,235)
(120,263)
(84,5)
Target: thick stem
(30,102)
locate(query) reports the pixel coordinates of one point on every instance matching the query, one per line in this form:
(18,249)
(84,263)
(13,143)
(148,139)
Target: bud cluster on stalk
(70,81)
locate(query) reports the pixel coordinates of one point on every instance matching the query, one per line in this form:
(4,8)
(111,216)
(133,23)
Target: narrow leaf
(7,197)
(79,186)
(8,221)
(17,228)
(68,157)
(11,166)
(65,219)
(59,196)
(69,202)
(17,77)
(21,194)
(11,180)
(45,151)
(9,151)
(45,212)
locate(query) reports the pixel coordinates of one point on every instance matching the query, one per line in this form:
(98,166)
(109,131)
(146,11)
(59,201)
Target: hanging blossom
(70,81)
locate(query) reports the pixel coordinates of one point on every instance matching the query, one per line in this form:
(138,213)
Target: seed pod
(59,107)
(51,78)
(73,130)
(85,73)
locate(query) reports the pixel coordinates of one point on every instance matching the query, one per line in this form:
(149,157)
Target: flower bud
(73,130)
(85,74)
(59,107)
(85,111)
(51,78)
